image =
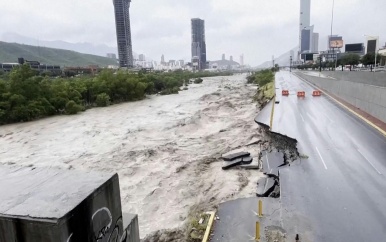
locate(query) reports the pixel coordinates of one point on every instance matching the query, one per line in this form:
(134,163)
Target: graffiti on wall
(103,228)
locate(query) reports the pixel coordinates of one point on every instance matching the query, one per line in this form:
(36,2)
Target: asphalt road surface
(338,193)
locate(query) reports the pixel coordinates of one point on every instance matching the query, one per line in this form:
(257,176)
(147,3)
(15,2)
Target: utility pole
(290,63)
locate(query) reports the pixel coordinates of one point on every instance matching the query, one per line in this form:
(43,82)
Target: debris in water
(236,155)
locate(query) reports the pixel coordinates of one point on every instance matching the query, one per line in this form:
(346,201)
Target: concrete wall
(370,78)
(350,87)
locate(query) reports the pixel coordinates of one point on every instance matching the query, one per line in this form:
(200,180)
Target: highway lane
(338,193)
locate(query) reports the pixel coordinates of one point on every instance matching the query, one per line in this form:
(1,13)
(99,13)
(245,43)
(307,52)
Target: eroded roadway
(338,193)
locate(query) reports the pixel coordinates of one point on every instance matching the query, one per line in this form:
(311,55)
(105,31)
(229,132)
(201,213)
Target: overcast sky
(256,28)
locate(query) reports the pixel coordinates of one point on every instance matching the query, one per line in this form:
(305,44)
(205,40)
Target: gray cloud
(257,28)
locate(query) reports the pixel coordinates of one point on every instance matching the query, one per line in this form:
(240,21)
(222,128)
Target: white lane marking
(321,158)
(302,117)
(328,118)
(369,162)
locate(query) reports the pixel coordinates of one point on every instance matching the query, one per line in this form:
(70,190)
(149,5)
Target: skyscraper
(141,57)
(305,14)
(315,42)
(198,43)
(122,24)
(308,40)
(242,59)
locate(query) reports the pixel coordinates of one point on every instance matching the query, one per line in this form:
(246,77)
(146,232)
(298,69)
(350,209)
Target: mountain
(10,52)
(85,47)
(282,60)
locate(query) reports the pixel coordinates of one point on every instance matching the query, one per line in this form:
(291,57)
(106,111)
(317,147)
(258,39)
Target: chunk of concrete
(233,156)
(234,163)
(131,226)
(268,187)
(247,160)
(272,161)
(254,165)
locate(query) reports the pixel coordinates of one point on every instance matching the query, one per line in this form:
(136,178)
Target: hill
(10,52)
(282,60)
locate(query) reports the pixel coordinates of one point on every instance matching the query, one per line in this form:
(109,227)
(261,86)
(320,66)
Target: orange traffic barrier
(301,94)
(285,92)
(316,93)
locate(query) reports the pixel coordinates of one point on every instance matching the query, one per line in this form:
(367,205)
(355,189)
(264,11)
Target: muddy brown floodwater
(166,149)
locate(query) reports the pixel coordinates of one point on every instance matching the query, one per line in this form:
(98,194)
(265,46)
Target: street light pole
(290,63)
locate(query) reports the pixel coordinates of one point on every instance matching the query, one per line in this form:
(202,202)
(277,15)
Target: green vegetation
(349,59)
(25,96)
(261,78)
(369,59)
(10,52)
(265,80)
(102,100)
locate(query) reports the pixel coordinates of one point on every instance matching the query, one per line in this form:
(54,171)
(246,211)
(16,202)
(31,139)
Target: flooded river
(166,149)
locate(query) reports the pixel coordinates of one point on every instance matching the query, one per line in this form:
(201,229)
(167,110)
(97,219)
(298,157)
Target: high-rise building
(305,14)
(181,62)
(111,56)
(141,57)
(315,43)
(162,59)
(223,56)
(198,43)
(242,59)
(122,24)
(308,41)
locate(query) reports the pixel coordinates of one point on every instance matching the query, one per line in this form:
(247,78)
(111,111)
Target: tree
(369,59)
(350,59)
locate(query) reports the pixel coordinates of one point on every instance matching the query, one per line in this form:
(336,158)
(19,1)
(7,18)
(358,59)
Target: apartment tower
(198,43)
(122,24)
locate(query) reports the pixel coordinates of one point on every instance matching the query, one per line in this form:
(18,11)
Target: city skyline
(248,27)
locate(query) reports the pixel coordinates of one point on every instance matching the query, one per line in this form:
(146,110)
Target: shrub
(72,107)
(102,100)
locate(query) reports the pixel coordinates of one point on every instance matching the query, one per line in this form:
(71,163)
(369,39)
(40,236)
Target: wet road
(338,192)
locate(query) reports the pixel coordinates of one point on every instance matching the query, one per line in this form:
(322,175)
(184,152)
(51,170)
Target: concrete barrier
(354,88)
(365,77)
(47,204)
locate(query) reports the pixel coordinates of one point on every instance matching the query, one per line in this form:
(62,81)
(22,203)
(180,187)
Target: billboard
(336,43)
(354,47)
